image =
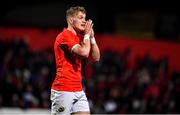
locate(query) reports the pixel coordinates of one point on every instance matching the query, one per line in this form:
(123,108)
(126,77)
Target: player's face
(79,21)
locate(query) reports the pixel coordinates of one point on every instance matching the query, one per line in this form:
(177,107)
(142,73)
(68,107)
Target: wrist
(86,37)
(93,40)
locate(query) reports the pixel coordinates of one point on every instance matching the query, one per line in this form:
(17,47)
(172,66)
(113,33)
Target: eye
(81,17)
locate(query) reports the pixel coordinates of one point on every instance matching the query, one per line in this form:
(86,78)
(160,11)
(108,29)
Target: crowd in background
(25,76)
(112,85)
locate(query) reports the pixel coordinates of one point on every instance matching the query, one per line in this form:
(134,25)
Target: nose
(84,21)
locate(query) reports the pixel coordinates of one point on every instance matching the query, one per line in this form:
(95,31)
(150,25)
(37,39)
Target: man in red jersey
(73,44)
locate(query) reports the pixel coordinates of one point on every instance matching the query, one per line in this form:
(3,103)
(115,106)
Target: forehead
(80,14)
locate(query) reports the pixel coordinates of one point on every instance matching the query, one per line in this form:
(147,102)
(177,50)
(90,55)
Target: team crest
(60,109)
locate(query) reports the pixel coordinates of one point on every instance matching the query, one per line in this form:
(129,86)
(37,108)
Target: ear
(70,20)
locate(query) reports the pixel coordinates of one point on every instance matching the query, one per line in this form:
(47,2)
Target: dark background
(127,76)
(105,14)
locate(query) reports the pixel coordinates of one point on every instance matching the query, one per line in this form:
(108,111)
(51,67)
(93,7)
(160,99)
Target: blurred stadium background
(139,70)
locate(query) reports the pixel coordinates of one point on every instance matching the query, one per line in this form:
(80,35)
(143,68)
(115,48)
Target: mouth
(83,25)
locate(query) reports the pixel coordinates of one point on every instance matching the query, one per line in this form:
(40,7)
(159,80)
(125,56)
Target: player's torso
(68,66)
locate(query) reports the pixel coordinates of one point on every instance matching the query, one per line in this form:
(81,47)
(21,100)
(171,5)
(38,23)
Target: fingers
(92,33)
(89,24)
(89,21)
(88,27)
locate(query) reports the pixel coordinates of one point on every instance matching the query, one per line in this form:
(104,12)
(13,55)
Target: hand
(92,33)
(88,27)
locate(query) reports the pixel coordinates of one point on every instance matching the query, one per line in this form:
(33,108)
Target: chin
(81,29)
(80,32)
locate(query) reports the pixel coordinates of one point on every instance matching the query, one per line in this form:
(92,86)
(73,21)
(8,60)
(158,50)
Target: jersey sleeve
(70,43)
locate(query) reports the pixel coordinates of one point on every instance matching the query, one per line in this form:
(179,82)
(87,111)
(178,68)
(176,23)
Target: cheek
(76,22)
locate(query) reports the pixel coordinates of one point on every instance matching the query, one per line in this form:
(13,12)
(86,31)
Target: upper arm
(73,45)
(79,50)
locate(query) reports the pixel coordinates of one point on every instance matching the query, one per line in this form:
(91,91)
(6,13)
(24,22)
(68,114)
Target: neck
(72,30)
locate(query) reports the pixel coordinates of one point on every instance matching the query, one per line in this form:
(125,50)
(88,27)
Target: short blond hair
(72,11)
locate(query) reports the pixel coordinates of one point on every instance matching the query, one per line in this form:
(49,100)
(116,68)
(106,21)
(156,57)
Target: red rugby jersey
(68,66)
